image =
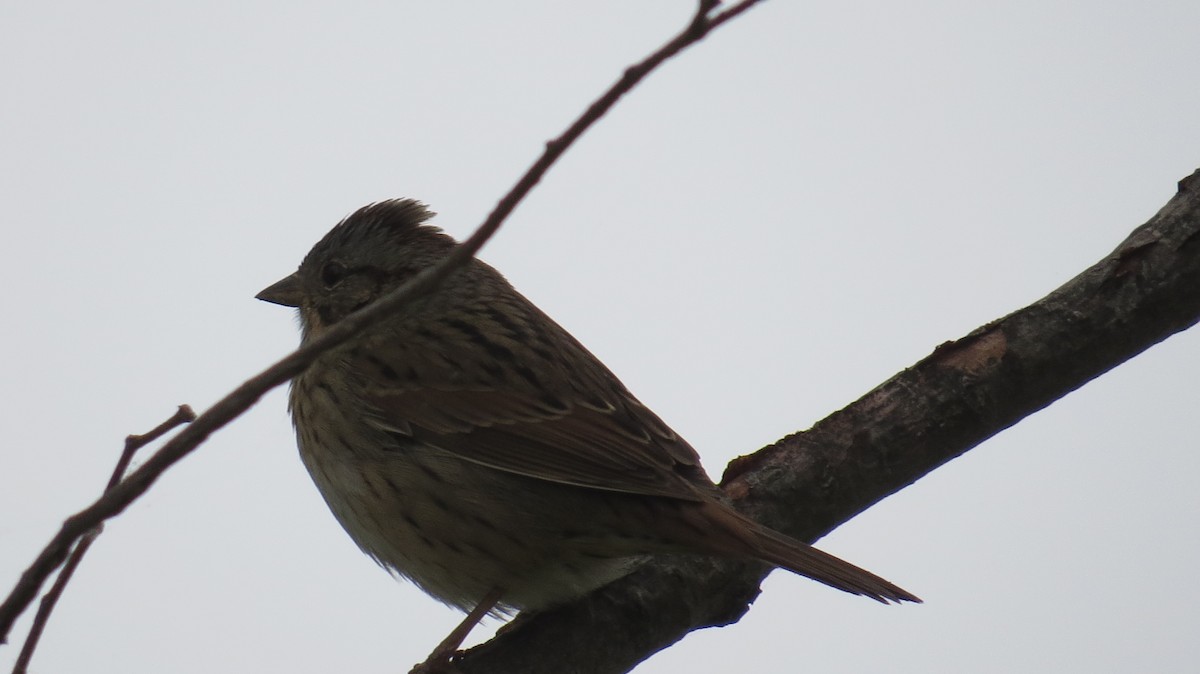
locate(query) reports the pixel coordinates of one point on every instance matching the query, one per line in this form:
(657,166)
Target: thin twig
(135,442)
(243,397)
(132,443)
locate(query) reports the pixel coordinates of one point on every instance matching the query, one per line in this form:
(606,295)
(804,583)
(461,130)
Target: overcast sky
(773,224)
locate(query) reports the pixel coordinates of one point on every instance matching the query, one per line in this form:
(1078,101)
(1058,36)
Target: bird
(470,444)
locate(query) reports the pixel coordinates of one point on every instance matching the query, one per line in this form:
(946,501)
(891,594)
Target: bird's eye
(332,274)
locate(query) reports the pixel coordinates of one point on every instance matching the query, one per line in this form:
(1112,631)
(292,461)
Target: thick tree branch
(808,483)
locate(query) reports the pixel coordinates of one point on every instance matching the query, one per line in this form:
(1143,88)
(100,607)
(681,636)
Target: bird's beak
(285,292)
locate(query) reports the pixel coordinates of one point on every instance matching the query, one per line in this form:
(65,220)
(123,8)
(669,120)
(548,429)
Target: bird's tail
(785,552)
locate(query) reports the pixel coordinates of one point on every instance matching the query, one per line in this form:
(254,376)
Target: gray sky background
(773,224)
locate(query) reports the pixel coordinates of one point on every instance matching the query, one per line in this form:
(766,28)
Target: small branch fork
(133,443)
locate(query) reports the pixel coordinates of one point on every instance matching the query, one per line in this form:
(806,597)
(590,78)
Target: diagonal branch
(808,483)
(114,501)
(133,443)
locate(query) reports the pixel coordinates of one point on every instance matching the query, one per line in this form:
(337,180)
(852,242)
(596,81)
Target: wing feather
(466,383)
(572,444)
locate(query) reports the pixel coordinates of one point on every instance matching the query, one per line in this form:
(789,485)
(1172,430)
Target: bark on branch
(808,483)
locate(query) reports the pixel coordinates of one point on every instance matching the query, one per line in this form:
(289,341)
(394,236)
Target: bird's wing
(582,428)
(625,448)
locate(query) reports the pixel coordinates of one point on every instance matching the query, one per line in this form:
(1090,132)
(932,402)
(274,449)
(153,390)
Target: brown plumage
(472,445)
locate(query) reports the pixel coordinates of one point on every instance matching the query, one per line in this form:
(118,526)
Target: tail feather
(823,567)
(785,552)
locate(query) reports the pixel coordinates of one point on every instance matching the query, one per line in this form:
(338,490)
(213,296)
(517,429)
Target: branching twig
(243,397)
(132,444)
